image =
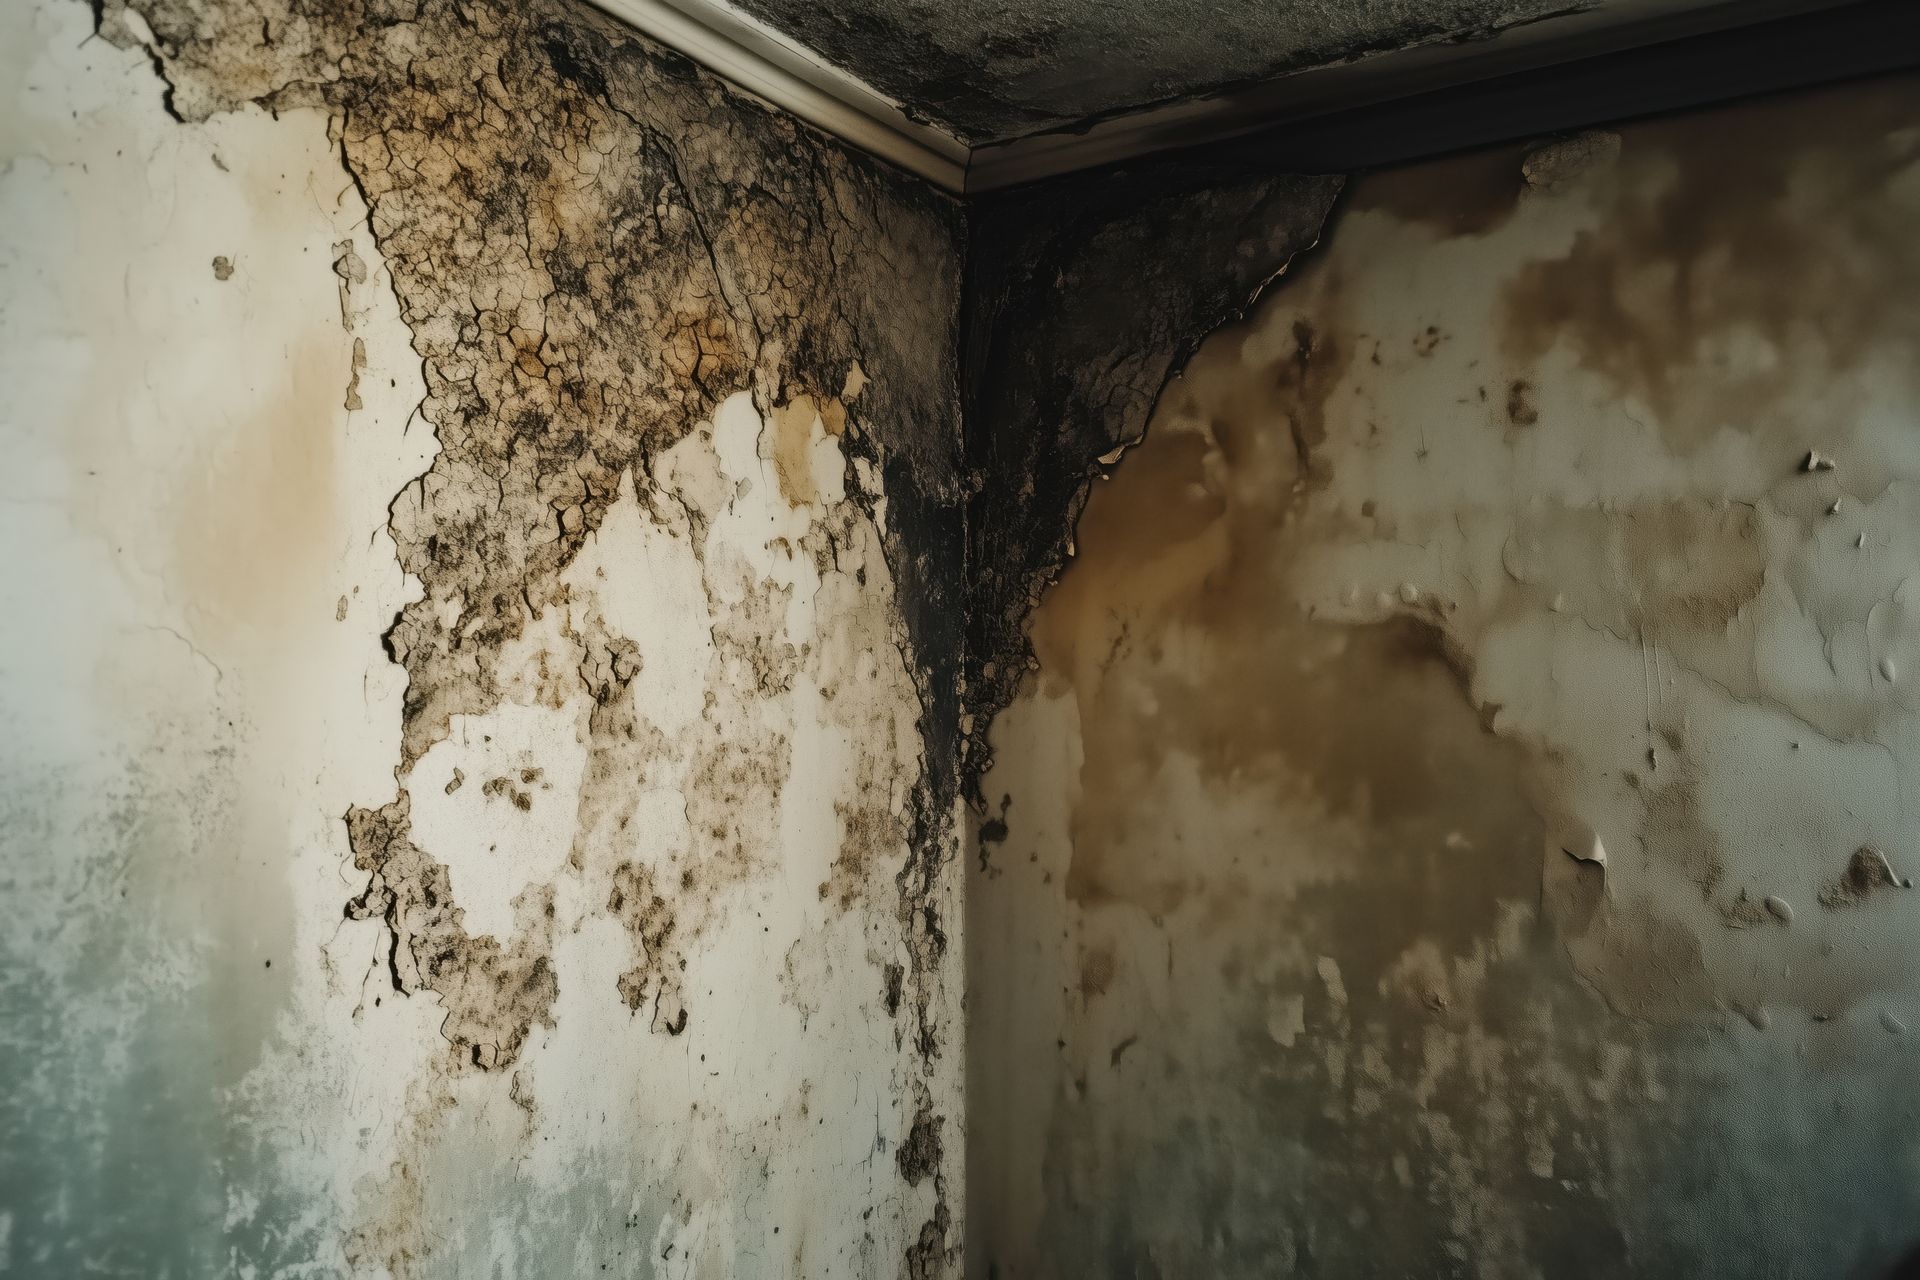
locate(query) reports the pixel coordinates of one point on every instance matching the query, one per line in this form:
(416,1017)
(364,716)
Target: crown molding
(754,57)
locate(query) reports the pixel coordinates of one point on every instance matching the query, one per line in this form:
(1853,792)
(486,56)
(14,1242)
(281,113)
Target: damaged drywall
(1460,820)
(546,513)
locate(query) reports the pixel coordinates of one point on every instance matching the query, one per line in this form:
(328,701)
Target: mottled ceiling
(987,70)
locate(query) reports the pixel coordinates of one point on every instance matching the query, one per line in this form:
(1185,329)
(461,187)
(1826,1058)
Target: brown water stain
(1390,861)
(1727,228)
(1356,917)
(791,451)
(1462,195)
(1178,630)
(249,543)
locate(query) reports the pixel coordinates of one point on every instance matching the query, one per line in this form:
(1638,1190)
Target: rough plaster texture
(1461,819)
(485,501)
(988,70)
(487,696)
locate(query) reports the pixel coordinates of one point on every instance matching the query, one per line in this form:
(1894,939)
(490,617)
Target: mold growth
(493,995)
(1448,715)
(582,286)
(648,313)
(1082,304)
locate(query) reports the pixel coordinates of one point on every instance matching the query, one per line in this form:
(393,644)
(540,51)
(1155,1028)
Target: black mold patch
(592,246)
(558,41)
(1084,296)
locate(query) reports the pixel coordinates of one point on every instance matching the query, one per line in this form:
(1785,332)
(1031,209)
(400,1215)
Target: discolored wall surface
(479,785)
(507,606)
(1460,817)
(1083,298)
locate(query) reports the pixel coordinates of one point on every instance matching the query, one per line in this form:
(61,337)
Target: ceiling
(989,70)
(978,94)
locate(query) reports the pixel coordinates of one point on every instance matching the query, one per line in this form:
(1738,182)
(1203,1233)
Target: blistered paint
(468,800)
(1461,818)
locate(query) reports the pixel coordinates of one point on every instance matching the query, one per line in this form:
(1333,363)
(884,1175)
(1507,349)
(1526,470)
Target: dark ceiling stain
(988,70)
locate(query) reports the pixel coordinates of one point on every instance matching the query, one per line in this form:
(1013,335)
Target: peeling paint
(512,636)
(653,656)
(1457,701)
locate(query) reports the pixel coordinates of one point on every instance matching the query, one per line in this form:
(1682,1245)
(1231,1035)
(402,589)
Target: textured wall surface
(483,506)
(501,608)
(1462,818)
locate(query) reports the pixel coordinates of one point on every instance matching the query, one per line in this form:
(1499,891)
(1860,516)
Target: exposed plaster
(657,324)
(686,570)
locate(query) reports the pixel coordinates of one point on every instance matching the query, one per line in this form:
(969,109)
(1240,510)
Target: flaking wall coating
(1461,819)
(1516,1061)
(600,468)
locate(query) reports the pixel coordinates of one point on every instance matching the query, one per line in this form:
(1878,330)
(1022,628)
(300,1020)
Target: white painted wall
(207,1068)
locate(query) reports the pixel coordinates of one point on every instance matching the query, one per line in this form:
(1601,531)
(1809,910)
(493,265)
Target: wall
(478,784)
(1459,819)
(505,609)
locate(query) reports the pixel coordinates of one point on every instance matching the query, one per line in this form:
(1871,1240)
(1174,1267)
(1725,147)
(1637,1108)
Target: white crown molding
(752,56)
